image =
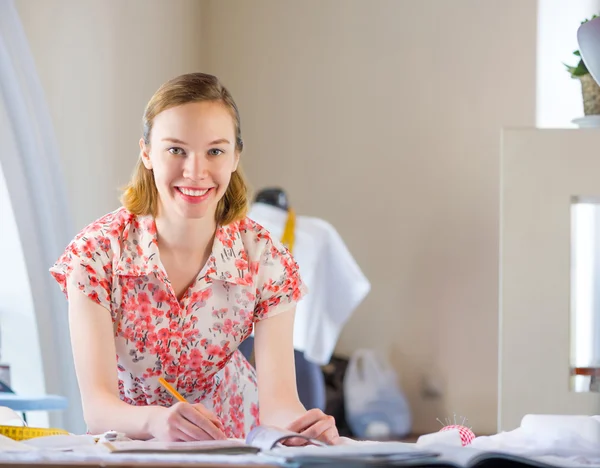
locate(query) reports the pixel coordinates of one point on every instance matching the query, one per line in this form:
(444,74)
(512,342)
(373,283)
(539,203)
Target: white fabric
(336,284)
(8,417)
(548,437)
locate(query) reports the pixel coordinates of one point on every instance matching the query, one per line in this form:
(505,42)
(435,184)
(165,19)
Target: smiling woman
(176,279)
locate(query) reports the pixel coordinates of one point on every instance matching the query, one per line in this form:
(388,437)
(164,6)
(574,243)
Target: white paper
(60,442)
(9,445)
(157,446)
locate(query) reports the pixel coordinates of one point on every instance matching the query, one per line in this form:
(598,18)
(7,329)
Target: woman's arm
(276,372)
(94,354)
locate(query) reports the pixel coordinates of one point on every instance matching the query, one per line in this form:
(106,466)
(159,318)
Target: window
(585,294)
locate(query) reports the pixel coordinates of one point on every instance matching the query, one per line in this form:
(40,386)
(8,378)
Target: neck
(191,237)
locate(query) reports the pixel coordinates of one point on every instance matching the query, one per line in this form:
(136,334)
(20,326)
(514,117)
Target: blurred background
(381,117)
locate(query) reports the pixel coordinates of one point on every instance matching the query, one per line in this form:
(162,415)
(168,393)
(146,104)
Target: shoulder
(268,253)
(276,273)
(103,234)
(257,240)
(250,241)
(111,224)
(90,255)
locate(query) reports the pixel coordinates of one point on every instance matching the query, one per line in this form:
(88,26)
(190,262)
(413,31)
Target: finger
(330,436)
(190,432)
(201,422)
(180,435)
(306,420)
(174,434)
(295,442)
(319,428)
(209,414)
(195,416)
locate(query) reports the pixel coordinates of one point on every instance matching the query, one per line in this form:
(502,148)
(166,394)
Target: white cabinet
(543,174)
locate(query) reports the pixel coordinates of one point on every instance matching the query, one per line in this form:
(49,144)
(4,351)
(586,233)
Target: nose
(195,167)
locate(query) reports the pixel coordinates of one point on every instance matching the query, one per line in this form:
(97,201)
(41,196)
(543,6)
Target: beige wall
(99,62)
(384,118)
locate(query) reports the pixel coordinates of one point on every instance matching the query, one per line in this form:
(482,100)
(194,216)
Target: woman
(172,282)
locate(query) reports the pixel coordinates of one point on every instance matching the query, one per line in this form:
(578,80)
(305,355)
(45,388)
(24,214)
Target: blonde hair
(140,195)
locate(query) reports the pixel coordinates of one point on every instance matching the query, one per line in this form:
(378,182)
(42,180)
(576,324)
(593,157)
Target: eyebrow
(174,140)
(220,141)
(216,142)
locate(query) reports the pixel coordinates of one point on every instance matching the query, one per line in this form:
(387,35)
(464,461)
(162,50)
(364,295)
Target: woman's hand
(316,425)
(186,422)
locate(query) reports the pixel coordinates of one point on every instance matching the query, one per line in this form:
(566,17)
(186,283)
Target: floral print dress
(191,342)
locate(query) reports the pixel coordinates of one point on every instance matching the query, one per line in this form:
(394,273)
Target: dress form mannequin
(335,281)
(273,196)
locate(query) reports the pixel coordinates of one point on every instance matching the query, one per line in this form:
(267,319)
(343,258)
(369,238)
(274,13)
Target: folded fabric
(576,438)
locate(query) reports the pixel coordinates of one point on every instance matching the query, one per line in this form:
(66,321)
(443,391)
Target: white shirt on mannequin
(336,284)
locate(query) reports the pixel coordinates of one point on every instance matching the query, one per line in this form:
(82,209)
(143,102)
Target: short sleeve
(280,286)
(87,261)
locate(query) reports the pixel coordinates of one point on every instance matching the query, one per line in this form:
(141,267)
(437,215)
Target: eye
(176,150)
(215,152)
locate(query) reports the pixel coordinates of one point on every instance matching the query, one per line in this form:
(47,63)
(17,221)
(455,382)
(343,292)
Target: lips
(193,192)
(194,195)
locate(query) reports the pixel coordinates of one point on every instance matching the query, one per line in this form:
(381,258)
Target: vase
(591,95)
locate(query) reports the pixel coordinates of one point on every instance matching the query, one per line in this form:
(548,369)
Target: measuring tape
(288,238)
(24,433)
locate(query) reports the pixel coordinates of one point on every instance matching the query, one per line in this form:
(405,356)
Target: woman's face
(192,155)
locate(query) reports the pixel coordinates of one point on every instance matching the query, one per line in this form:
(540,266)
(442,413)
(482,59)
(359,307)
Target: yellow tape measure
(289,236)
(24,433)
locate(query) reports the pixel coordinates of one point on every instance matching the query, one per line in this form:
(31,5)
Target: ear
(236,161)
(145,154)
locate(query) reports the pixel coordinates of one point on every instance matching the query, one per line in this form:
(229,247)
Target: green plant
(579,70)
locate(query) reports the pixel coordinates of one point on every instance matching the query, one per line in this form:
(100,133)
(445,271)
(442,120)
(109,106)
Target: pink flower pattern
(191,342)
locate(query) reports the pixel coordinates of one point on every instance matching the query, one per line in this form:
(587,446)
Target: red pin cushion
(466,434)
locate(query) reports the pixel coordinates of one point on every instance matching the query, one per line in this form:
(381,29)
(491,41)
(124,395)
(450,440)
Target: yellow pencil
(170,389)
(177,395)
